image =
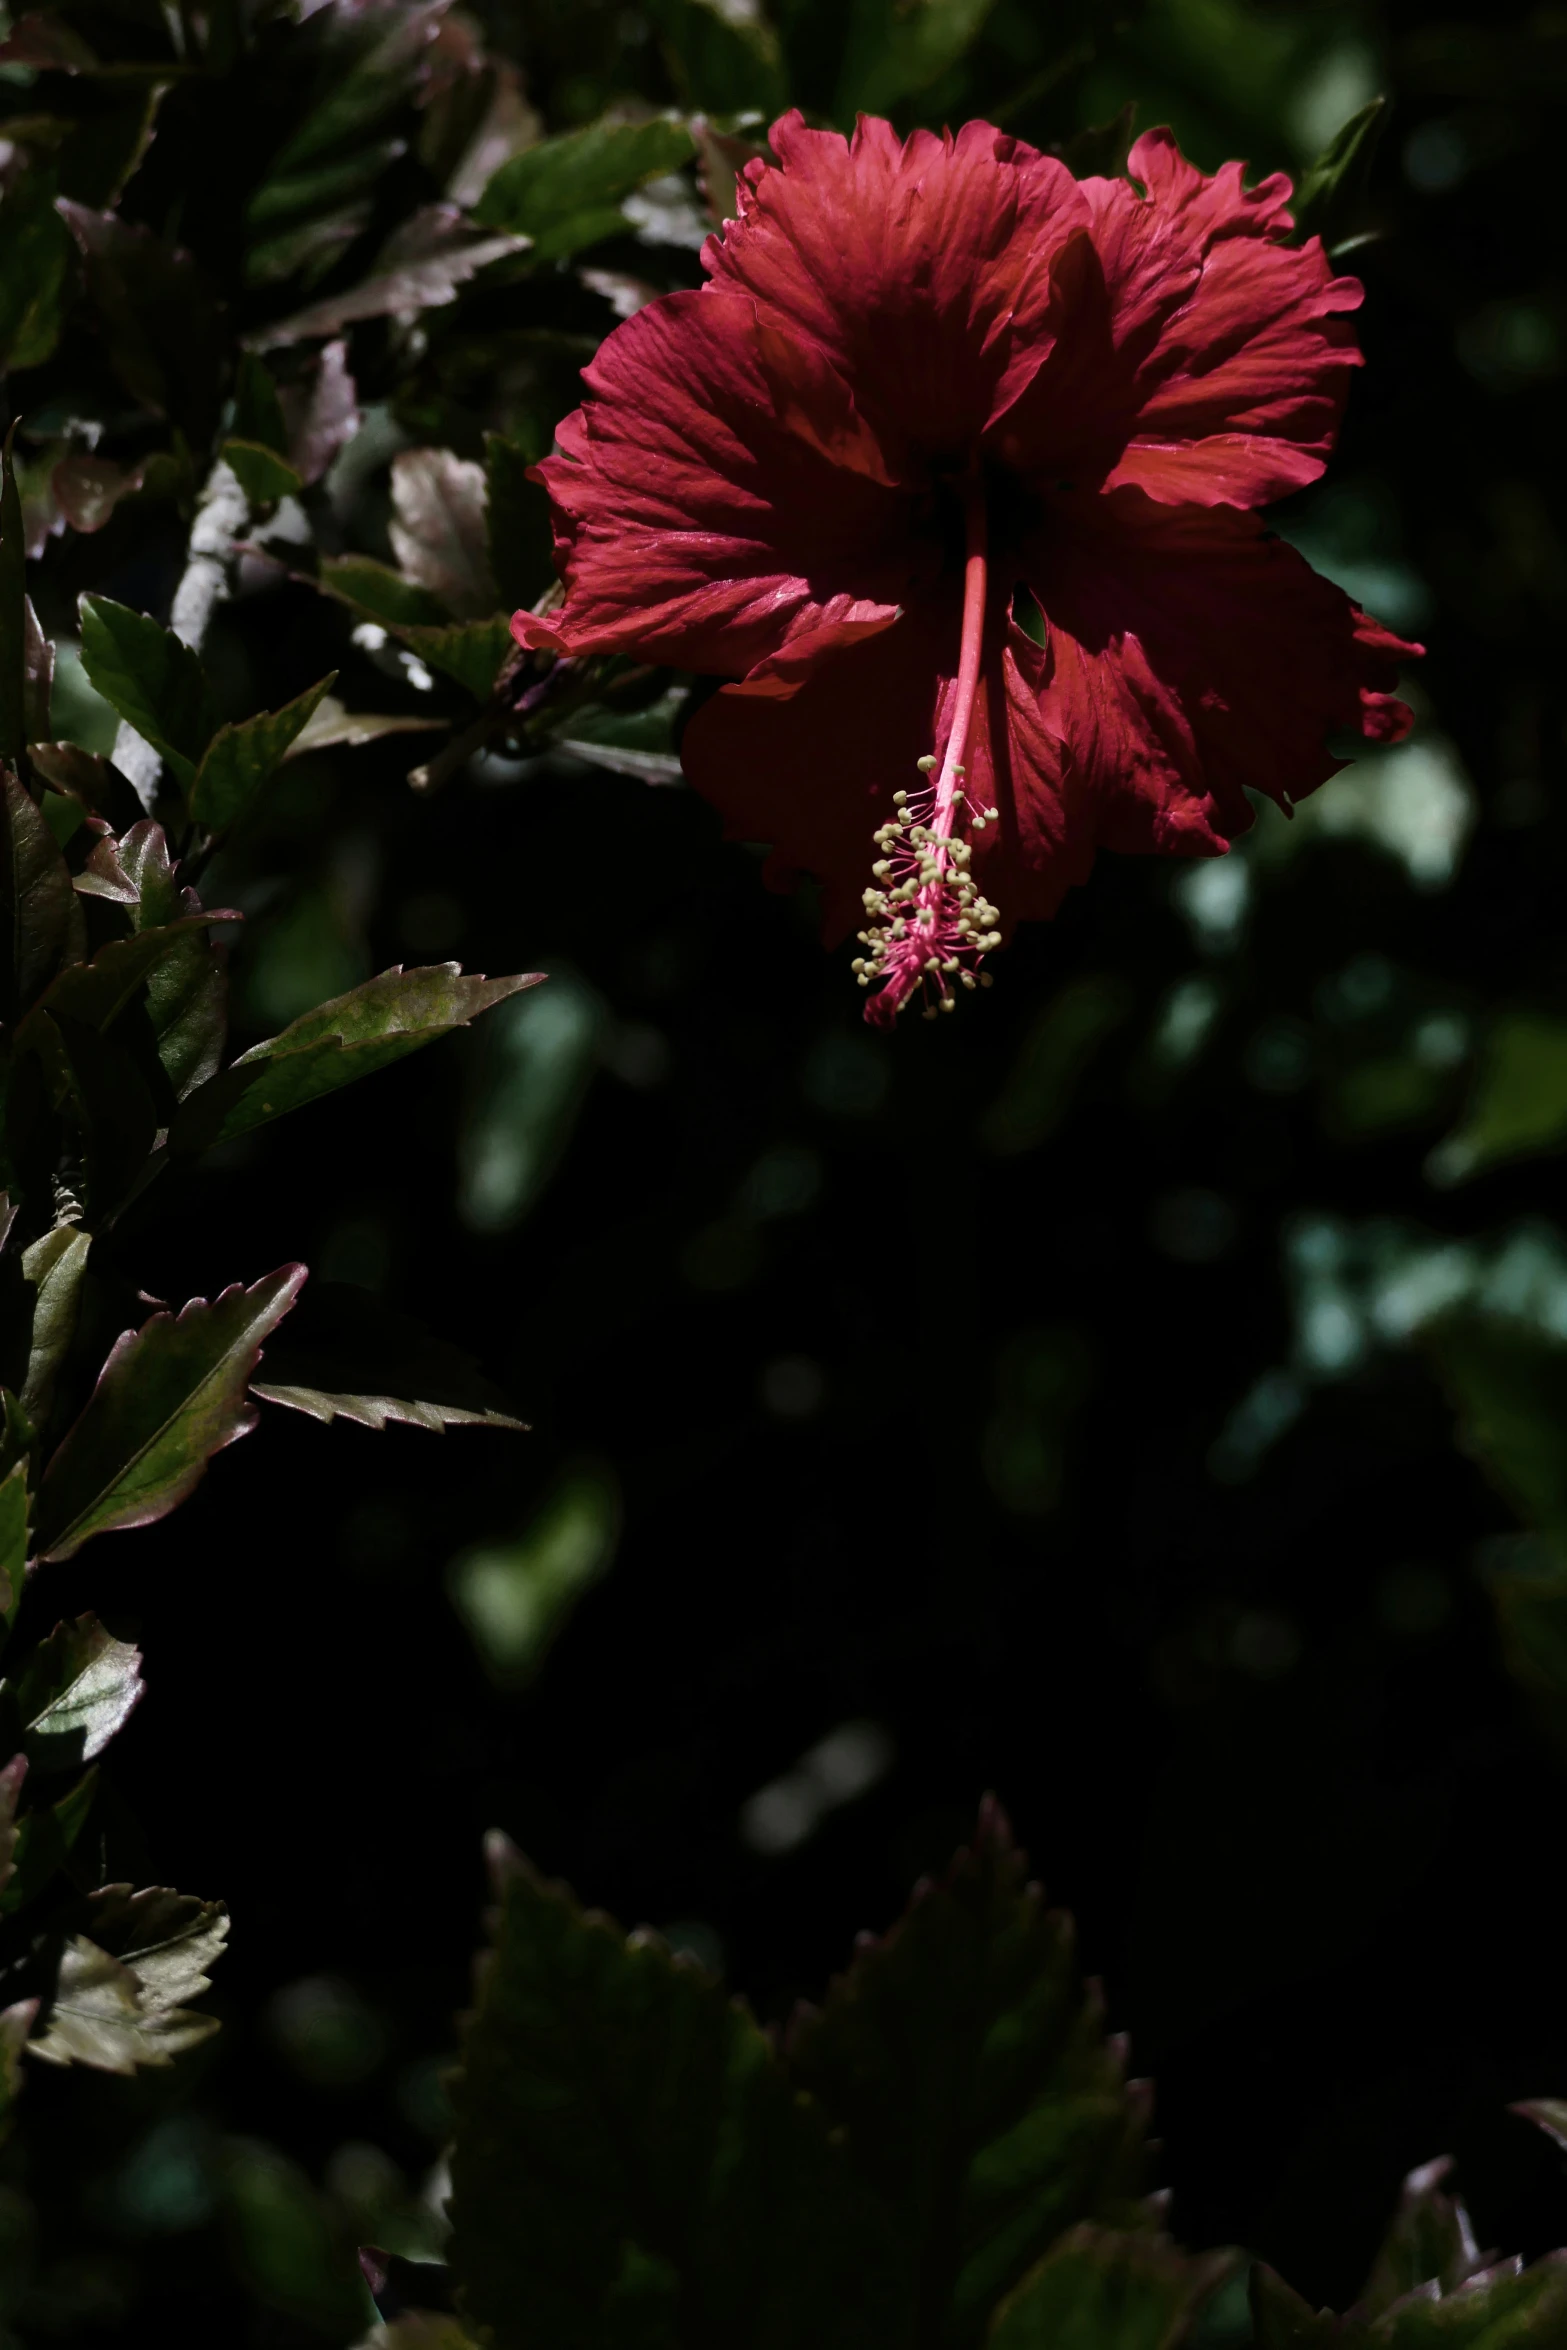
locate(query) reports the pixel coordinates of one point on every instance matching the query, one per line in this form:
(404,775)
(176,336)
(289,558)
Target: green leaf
(895,47)
(44,1840)
(1430,2241)
(97,992)
(420,267)
(380,593)
(1508,1384)
(37,903)
(346,1356)
(155,683)
(261,473)
(722,60)
(258,411)
(1282,2321)
(14,1515)
(1518,1106)
(516,1597)
(76,1690)
(567,192)
(631,2165)
(365,1030)
(116,2004)
(1100,2290)
(517,523)
(36,259)
(473,652)
(170,1395)
(242,756)
(187,987)
(54,1265)
(1332,194)
(968,2065)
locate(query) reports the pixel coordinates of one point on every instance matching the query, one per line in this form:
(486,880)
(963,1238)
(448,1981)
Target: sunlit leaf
(262,474)
(381,593)
(240,757)
(116,2004)
(438,529)
(470,651)
(75,1691)
(170,1395)
(54,1265)
(332,724)
(355,1034)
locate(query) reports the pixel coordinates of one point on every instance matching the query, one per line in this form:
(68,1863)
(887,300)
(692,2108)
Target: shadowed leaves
(565,193)
(967,2063)
(241,757)
(154,682)
(118,1994)
(170,1395)
(347,1356)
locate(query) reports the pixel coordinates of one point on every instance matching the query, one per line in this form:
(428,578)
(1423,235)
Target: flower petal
(813,774)
(922,268)
(718,496)
(1194,657)
(1203,360)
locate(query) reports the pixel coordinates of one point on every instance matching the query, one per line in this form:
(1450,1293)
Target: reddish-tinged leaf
(170,1395)
(439,529)
(10,1794)
(420,268)
(321,415)
(37,904)
(87,489)
(75,1691)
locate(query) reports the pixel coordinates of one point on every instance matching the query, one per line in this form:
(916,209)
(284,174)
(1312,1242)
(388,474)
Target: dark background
(906,1361)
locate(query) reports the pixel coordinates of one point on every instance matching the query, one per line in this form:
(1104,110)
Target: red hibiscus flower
(950,471)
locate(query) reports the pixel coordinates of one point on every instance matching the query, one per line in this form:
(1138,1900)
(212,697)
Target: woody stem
(970,650)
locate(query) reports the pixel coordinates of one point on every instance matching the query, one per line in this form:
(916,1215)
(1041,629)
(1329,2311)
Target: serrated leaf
(36,259)
(102,2015)
(44,1839)
(93,780)
(242,756)
(421,267)
(168,1939)
(37,901)
(565,193)
(54,1264)
(1330,198)
(1430,2241)
(627,2147)
(187,988)
(347,1356)
(967,2062)
(76,1690)
(152,680)
(1099,2289)
(96,992)
(262,474)
(170,1395)
(438,529)
(357,1033)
